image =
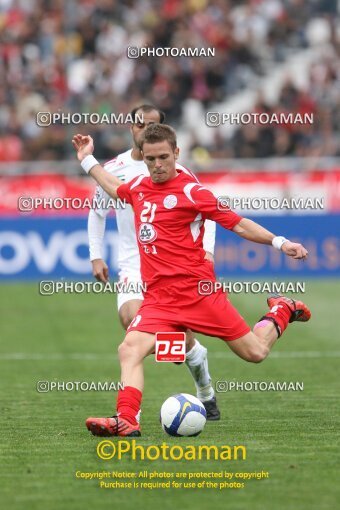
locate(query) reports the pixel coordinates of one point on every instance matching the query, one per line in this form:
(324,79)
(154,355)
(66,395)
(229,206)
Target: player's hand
(100,270)
(209,256)
(295,250)
(84,146)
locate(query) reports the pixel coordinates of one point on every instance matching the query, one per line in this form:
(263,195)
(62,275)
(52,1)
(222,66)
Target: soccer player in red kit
(170,207)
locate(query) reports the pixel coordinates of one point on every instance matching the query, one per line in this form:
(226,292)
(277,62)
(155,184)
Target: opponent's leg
(256,345)
(132,351)
(197,363)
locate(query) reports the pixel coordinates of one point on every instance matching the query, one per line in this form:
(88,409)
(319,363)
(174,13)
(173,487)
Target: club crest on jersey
(170,202)
(140,195)
(147,233)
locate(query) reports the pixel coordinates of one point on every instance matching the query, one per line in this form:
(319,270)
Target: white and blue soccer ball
(183,415)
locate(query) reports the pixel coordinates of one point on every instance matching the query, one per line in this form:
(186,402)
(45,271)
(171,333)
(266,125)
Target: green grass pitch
(292,435)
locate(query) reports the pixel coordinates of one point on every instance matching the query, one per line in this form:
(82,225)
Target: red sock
(128,404)
(280,314)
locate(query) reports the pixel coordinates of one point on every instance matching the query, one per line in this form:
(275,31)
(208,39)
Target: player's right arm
(84,147)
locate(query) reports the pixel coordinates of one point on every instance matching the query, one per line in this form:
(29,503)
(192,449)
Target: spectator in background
(72,56)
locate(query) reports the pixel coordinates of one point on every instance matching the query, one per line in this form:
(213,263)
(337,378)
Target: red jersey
(169,222)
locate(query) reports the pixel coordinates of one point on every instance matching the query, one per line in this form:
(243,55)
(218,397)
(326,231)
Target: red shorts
(179,307)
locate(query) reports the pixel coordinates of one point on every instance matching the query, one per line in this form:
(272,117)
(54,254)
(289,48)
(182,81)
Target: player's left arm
(207,204)
(252,231)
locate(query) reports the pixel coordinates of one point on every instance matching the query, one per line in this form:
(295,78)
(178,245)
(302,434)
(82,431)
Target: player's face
(160,158)
(138,129)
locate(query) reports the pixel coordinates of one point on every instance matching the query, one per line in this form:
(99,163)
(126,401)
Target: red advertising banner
(58,194)
(20,194)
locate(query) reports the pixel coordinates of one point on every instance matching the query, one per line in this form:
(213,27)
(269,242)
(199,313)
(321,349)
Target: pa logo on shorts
(147,233)
(170,202)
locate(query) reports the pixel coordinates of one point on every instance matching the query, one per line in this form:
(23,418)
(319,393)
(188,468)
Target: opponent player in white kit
(127,166)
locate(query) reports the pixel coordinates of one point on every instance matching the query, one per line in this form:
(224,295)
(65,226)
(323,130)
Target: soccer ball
(183,415)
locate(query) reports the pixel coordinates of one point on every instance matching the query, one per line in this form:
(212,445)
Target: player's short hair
(155,133)
(147,108)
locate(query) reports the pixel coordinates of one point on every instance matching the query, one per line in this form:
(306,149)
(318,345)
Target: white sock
(197,363)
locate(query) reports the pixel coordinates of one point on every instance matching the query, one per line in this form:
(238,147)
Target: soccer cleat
(212,410)
(299,311)
(114,426)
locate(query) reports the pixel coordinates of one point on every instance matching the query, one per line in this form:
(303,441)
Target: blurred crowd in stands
(71,56)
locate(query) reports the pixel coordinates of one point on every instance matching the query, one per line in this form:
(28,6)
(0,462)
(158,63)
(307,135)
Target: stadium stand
(72,56)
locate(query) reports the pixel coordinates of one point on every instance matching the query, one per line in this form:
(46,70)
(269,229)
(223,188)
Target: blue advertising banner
(320,234)
(38,248)
(35,248)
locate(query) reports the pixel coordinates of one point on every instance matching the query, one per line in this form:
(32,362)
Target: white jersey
(126,169)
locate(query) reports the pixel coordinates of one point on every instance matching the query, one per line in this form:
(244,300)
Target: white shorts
(132,289)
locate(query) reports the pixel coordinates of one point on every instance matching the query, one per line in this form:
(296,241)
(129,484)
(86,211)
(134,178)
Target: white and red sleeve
(207,204)
(96,231)
(97,217)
